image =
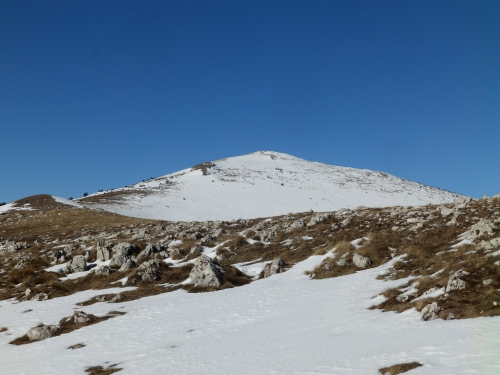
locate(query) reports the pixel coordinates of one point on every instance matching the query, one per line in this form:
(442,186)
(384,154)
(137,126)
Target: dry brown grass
(399,368)
(77,346)
(99,370)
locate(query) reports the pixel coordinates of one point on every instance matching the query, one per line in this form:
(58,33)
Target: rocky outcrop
(148,251)
(318,218)
(42,332)
(81,317)
(482,227)
(430,311)
(206,273)
(127,265)
(276,266)
(361,261)
(150,274)
(455,282)
(103,271)
(122,252)
(77,264)
(104,251)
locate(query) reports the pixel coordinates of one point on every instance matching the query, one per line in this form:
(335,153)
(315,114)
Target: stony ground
(449,255)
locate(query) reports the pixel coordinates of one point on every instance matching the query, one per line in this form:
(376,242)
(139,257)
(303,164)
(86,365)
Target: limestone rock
(455,282)
(81,317)
(298,224)
(127,265)
(206,273)
(77,264)
(150,274)
(446,212)
(103,271)
(361,261)
(104,251)
(42,332)
(430,311)
(121,254)
(482,227)
(341,263)
(276,266)
(148,251)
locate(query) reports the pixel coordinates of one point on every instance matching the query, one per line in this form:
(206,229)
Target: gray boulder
(150,274)
(446,212)
(341,262)
(77,264)
(361,261)
(148,251)
(276,266)
(206,273)
(455,282)
(81,317)
(483,226)
(42,332)
(298,223)
(103,271)
(127,265)
(104,251)
(430,311)
(122,252)
(149,263)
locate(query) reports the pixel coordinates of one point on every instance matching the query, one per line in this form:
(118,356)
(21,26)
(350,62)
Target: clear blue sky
(101,94)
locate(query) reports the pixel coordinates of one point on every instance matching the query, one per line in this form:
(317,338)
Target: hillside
(361,291)
(261,184)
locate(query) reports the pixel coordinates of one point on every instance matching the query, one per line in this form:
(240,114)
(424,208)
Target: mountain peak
(261,184)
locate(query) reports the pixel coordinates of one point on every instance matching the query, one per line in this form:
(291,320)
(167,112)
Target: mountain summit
(261,184)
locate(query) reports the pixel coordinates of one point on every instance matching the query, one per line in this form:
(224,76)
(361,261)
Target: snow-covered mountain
(262,184)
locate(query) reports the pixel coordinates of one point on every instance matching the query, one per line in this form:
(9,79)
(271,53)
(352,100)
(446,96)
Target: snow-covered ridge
(264,183)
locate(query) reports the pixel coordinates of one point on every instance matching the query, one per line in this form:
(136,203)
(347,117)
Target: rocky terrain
(446,257)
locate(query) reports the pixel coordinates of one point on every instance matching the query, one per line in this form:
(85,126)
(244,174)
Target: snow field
(285,324)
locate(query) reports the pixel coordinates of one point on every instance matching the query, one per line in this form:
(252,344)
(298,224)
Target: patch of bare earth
(399,368)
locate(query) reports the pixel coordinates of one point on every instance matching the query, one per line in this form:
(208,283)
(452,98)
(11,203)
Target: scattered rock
(206,273)
(42,332)
(77,264)
(103,271)
(81,317)
(150,274)
(454,282)
(430,311)
(482,227)
(121,254)
(341,263)
(127,265)
(276,266)
(104,251)
(361,261)
(446,212)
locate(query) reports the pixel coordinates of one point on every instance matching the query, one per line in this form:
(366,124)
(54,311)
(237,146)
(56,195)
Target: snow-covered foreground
(286,324)
(263,184)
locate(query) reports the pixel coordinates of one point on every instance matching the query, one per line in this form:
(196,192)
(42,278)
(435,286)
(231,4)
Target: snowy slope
(259,185)
(286,324)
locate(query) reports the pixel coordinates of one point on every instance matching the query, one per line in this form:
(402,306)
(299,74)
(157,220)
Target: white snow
(286,324)
(266,184)
(67,202)
(14,206)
